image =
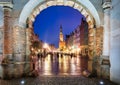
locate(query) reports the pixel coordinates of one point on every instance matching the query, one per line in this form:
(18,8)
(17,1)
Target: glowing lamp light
(101,82)
(22,82)
(45,45)
(39,50)
(78,49)
(32,49)
(72,47)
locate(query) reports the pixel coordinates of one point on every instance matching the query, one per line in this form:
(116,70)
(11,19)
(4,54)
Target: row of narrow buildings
(82,40)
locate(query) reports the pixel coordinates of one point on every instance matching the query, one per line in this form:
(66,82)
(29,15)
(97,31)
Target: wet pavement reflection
(49,65)
(59,65)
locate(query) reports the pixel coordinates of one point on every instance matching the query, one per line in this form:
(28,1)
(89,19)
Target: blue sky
(48,21)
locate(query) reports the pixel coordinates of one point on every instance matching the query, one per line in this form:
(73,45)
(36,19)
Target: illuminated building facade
(77,39)
(69,41)
(84,36)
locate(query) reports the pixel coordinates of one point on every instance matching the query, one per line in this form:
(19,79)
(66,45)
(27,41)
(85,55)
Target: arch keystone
(80,5)
(51,3)
(69,3)
(60,2)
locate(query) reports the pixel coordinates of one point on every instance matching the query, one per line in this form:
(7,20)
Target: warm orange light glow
(45,45)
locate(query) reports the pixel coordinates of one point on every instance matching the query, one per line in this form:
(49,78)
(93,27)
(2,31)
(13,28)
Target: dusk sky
(47,23)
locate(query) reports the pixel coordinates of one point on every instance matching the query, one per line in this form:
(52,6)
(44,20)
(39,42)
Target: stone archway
(28,16)
(21,35)
(19,32)
(85,7)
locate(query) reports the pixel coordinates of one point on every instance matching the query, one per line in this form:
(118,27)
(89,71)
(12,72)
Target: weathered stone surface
(56,80)
(14,70)
(7,33)
(115,45)
(1,40)
(28,43)
(19,43)
(99,41)
(5,0)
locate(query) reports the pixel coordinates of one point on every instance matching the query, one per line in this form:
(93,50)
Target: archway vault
(34,7)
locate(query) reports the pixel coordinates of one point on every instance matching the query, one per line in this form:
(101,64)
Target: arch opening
(53,17)
(85,8)
(61,48)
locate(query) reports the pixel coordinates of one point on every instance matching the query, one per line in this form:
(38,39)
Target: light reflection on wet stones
(54,79)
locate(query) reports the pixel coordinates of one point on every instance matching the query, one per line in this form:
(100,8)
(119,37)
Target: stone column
(28,40)
(104,61)
(115,42)
(1,44)
(20,66)
(19,44)
(106,31)
(7,32)
(1,36)
(27,44)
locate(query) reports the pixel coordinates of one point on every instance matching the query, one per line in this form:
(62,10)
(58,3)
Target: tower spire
(61,28)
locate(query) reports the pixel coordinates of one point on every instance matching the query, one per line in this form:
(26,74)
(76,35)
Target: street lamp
(22,82)
(45,45)
(101,82)
(32,49)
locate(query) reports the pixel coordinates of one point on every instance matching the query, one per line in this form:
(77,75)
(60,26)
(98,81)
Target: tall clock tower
(61,40)
(61,34)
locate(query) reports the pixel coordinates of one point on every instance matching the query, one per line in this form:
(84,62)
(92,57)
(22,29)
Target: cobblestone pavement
(56,80)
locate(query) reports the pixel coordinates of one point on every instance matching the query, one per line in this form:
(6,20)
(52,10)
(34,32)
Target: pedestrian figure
(61,55)
(57,54)
(33,62)
(38,55)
